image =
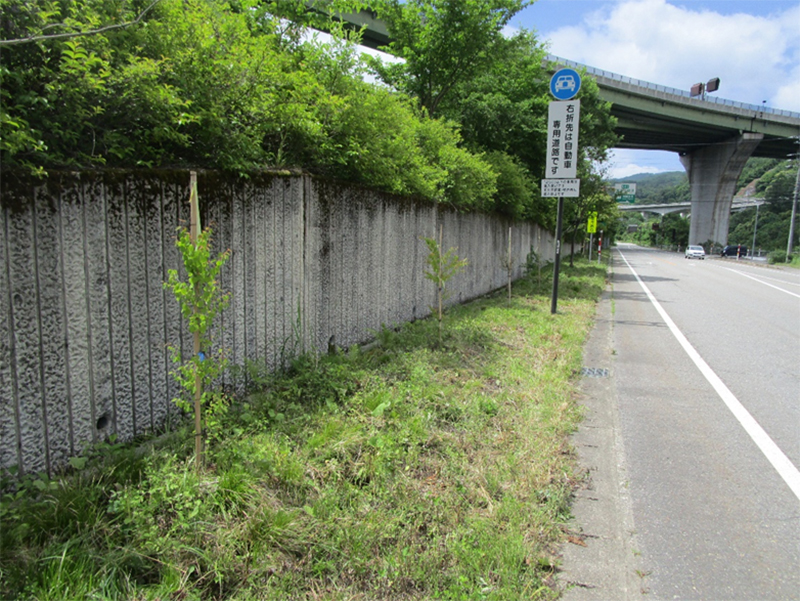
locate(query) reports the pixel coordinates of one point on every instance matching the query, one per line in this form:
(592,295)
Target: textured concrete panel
(237,265)
(48,252)
(158,365)
(216,206)
(78,372)
(264,269)
(101,357)
(85,320)
(174,200)
(119,264)
(26,335)
(140,195)
(280,307)
(294,202)
(9,440)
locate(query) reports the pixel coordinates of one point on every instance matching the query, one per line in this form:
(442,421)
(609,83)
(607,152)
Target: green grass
(407,470)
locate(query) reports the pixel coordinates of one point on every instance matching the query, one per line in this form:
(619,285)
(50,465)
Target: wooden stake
(441,229)
(508,263)
(194,231)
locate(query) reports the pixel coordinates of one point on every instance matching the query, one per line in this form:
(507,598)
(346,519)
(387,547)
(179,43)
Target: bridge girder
(683,125)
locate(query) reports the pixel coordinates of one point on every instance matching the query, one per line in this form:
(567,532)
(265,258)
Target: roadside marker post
(599,247)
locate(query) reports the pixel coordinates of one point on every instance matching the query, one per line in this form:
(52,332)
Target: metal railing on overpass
(663,209)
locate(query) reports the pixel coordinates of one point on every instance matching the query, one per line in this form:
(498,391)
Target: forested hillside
(659,188)
(774,182)
(771,180)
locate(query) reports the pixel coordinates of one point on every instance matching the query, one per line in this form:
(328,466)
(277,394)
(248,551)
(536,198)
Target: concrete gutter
(600,561)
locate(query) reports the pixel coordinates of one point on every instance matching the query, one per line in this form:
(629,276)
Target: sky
(752,46)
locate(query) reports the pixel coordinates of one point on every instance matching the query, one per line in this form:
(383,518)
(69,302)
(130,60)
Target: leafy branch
(201,300)
(75,34)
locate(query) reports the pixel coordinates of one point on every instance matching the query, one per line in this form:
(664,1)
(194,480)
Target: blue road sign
(565,84)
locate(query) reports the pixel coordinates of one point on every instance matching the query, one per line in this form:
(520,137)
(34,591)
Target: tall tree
(442,42)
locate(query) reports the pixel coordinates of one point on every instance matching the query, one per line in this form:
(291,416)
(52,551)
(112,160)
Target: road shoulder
(601,559)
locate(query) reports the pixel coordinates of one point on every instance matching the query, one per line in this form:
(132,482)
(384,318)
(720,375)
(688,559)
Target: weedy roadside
(406,470)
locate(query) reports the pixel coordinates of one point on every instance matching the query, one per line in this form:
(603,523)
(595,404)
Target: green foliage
(219,85)
(515,187)
(777,256)
(676,229)
(754,169)
(459,66)
(442,42)
(201,300)
(776,185)
(504,107)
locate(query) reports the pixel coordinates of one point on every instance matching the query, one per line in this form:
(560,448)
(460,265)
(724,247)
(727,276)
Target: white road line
(772,452)
(761,281)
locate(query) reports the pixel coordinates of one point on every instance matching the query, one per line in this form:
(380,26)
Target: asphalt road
(707,430)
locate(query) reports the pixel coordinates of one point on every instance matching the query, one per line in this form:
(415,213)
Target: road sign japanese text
(591,224)
(562,139)
(565,188)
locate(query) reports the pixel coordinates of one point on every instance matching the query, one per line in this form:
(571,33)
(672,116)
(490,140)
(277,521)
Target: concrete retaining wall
(85,321)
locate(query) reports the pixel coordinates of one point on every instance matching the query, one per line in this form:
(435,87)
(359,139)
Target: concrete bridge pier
(713,172)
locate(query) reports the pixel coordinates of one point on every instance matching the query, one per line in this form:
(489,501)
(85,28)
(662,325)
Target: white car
(694,252)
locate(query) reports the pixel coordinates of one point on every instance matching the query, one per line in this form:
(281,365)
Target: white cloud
(624,162)
(755,57)
(631,169)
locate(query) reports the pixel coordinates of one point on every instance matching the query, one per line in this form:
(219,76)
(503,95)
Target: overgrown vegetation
(461,67)
(404,471)
(242,85)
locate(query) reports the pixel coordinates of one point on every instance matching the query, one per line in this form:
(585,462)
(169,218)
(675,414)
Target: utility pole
(755,229)
(794,210)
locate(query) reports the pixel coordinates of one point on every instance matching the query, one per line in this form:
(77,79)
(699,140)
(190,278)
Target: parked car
(694,252)
(734,250)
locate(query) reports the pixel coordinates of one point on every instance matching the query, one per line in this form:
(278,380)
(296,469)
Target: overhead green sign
(625,192)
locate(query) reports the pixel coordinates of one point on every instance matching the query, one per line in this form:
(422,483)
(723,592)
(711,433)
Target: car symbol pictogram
(565,82)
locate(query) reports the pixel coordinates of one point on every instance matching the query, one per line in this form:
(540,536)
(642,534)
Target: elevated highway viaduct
(713,137)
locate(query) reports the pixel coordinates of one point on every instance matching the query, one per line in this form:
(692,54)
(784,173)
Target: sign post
(557,260)
(560,180)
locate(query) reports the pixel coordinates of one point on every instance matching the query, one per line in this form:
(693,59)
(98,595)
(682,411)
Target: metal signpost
(560,180)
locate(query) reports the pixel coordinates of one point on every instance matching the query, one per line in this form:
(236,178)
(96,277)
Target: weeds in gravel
(403,471)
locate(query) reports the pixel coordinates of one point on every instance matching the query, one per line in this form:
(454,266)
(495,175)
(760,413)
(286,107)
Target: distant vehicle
(694,252)
(734,250)
(565,82)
